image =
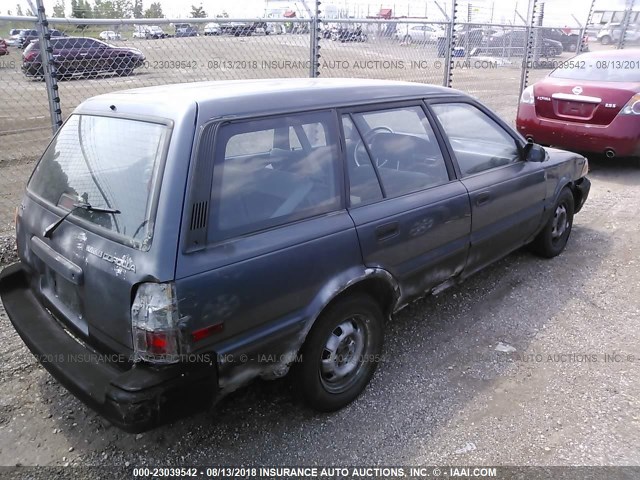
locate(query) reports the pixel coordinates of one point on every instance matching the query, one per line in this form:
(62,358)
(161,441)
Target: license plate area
(65,297)
(567,108)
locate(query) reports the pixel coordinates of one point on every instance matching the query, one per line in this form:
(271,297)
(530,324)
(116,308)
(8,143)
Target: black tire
(354,323)
(553,238)
(606,40)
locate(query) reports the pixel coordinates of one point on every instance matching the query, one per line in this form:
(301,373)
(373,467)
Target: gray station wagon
(177,242)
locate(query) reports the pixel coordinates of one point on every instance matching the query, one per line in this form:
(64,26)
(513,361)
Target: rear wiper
(85,206)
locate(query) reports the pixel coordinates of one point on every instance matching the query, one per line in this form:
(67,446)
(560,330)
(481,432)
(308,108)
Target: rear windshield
(106,162)
(613,70)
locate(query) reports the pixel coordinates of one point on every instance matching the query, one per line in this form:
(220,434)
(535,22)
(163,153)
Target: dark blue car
(177,242)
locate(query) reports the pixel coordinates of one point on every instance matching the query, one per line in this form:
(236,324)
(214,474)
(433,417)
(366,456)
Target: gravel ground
(531,362)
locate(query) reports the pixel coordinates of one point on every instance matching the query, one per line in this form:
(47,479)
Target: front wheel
(606,40)
(341,353)
(551,241)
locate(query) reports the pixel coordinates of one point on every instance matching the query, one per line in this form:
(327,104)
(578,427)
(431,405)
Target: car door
(265,227)
(95,55)
(507,194)
(411,214)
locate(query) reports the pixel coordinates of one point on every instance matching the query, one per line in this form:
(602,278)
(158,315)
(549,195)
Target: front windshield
(106,162)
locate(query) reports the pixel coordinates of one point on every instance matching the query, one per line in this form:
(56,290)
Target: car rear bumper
(622,135)
(133,398)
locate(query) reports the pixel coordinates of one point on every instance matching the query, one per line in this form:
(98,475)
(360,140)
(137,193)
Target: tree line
(111,9)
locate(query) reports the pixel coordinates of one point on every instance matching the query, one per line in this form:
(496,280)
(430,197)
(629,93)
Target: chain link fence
(493,61)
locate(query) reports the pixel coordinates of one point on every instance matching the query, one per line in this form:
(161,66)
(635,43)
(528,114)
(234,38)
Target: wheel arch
(375,282)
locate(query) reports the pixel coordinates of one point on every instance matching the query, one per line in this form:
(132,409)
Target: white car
(110,35)
(422,33)
(148,31)
(212,29)
(611,32)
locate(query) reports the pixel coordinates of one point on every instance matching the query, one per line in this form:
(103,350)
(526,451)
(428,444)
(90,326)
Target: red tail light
(30,56)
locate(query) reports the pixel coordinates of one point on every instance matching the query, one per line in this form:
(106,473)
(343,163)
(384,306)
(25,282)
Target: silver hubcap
(342,354)
(560,222)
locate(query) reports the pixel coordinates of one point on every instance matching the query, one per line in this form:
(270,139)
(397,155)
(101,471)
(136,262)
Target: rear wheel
(341,353)
(555,234)
(606,40)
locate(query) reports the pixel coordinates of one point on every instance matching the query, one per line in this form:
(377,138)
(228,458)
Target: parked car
(79,55)
(314,209)
(186,30)
(110,35)
(611,32)
(237,29)
(513,43)
(4,48)
(15,40)
(350,34)
(471,38)
(263,28)
(276,28)
(570,41)
(149,32)
(423,33)
(212,29)
(29,36)
(590,103)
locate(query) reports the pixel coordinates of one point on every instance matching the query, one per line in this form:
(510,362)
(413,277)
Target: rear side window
(274,171)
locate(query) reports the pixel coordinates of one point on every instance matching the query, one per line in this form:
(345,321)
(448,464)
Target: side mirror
(532,152)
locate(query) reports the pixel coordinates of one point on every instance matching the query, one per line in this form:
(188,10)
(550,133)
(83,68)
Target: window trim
(213,237)
(517,138)
(419,102)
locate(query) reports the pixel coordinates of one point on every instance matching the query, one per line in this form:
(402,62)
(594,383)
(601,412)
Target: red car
(4,48)
(591,103)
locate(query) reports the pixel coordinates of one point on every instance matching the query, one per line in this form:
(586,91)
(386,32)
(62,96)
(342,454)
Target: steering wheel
(360,152)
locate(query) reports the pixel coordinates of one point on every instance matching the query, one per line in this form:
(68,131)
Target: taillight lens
(30,56)
(154,323)
(632,107)
(527,96)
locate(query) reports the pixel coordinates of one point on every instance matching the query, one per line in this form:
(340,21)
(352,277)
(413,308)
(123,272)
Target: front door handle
(483,198)
(387,230)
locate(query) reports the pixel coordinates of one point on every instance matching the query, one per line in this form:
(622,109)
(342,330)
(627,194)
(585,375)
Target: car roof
(247,97)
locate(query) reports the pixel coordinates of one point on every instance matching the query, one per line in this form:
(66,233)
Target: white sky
(557,12)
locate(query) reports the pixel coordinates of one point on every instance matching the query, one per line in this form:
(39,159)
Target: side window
(403,149)
(364,187)
(478,141)
(258,185)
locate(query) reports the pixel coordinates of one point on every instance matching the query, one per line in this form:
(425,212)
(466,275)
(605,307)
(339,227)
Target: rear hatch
(593,92)
(102,173)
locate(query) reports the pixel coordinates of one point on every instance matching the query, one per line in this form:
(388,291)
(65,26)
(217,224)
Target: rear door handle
(483,198)
(387,230)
